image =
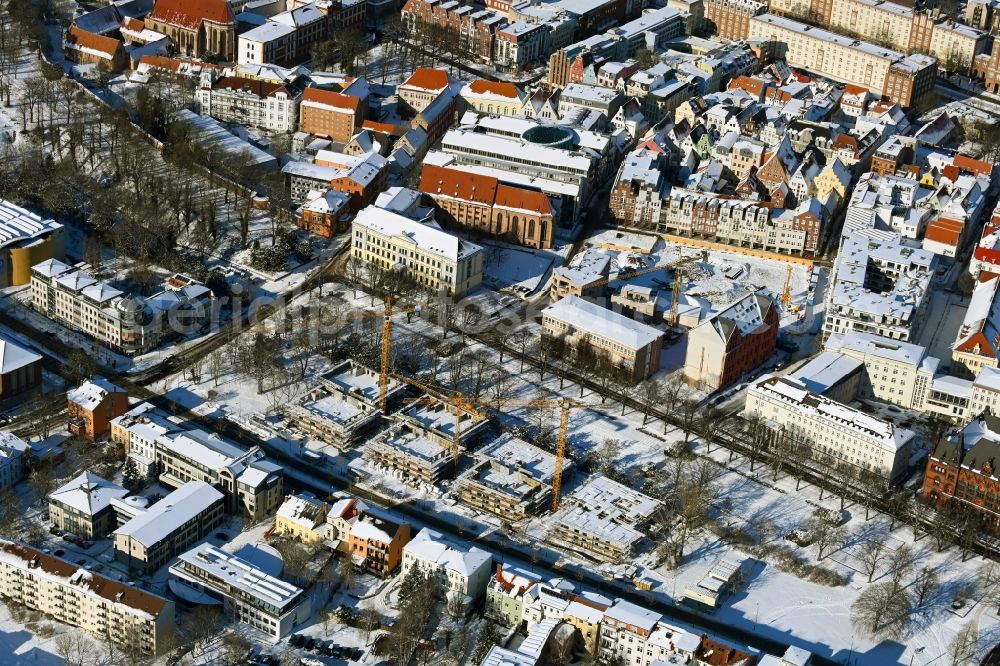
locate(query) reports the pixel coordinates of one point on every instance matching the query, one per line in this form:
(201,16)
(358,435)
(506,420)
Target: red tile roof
(521,199)
(458,184)
(851,89)
(501,88)
(172,64)
(130,23)
(190,13)
(331,98)
(385,128)
(87,40)
(255,86)
(971,165)
(944,230)
(428,79)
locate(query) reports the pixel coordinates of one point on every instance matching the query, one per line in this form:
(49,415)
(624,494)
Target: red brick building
(482,203)
(92,405)
(330,114)
(87,48)
(962,473)
(196,27)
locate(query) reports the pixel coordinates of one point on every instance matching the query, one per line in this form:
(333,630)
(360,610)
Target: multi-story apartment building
(127,324)
(638,636)
(251,484)
(250,595)
(112,610)
(83,506)
(880,286)
(482,203)
(12,452)
(463,570)
(287,37)
(196,28)
(978,342)
(897,372)
(344,404)
(433,258)
(731,18)
(831,430)
(20,369)
(492,97)
(231,99)
(164,530)
(904,79)
(604,519)
(422,87)
(881,21)
(92,405)
(631,345)
(330,114)
(732,342)
(640,190)
(376,542)
(520,44)
(511,479)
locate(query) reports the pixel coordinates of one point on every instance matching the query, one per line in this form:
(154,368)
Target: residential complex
(510,478)
(254,102)
(880,286)
(107,608)
(12,454)
(83,506)
(174,455)
(463,570)
(158,534)
(127,324)
(604,520)
(904,79)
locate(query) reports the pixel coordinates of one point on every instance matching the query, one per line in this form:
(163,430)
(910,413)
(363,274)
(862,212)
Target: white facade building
(830,429)
(464,570)
(432,257)
(12,450)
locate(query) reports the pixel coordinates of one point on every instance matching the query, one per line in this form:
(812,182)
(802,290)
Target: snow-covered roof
(811,405)
(171,513)
(91,393)
(426,238)
(876,345)
(432,547)
(374,527)
(226,572)
(11,444)
(584,315)
(626,612)
(14,356)
(87,493)
(19,226)
(827,370)
(304,510)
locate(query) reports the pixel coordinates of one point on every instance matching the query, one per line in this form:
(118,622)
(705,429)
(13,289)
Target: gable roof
(191,13)
(498,88)
(89,42)
(258,87)
(458,184)
(508,196)
(13,356)
(428,79)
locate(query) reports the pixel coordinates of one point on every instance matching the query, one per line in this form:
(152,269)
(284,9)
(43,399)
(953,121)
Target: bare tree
(881,611)
(216,366)
(234,648)
(872,553)
(650,394)
(925,586)
(825,532)
(963,647)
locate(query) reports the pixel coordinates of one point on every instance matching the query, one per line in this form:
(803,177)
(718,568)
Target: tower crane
(461,404)
(786,294)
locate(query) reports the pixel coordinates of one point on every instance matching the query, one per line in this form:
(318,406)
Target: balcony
(77,425)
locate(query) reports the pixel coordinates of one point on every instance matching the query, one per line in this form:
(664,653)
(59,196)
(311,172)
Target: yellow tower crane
(786,295)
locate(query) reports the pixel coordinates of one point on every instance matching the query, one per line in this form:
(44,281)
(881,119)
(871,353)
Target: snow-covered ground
(777,603)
